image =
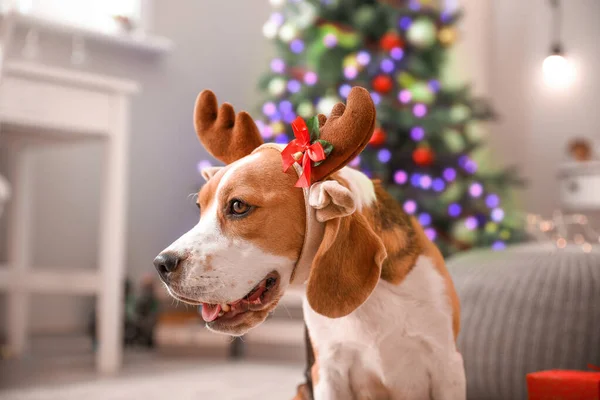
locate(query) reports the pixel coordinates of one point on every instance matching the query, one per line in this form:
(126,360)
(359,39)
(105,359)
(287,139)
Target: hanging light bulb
(558,71)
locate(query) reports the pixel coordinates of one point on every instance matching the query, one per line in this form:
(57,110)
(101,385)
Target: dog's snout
(166,263)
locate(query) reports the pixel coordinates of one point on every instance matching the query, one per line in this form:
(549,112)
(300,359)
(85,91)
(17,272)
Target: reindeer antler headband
(346,132)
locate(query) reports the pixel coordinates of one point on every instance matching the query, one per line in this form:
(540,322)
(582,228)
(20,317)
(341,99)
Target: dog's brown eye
(238,207)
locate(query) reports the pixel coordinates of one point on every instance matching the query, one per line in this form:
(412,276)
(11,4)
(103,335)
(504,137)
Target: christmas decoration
(382,83)
(306,149)
(423,156)
(390,41)
(564,385)
(422,33)
(447,36)
(580,150)
(326,104)
(422,93)
(427,129)
(378,137)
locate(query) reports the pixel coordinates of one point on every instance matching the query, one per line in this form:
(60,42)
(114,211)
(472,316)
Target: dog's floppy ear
(225,136)
(348,262)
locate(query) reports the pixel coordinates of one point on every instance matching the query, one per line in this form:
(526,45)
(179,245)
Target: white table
(41,105)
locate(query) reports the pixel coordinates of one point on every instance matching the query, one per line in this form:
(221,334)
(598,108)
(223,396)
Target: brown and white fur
(399,344)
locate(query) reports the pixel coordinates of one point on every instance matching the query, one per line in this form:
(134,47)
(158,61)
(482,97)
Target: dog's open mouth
(255,300)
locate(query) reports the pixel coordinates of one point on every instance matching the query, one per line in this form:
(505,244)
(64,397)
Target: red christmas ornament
(390,41)
(382,83)
(378,137)
(423,156)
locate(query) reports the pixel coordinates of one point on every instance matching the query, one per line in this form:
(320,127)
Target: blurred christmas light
(325,105)
(445,16)
(410,206)
(277,18)
(497,214)
(294,86)
(269,30)
(287,32)
(405,22)
(297,46)
(454,210)
(424,219)
(415,180)
(471,223)
(420,110)
(269,108)
(275,117)
(260,125)
(277,3)
(397,53)
(277,86)
(281,139)
(310,78)
(449,174)
(414,5)
(345,90)
(267,132)
(355,162)
(467,164)
(400,177)
(376,98)
(285,106)
(289,117)
(384,155)
(492,200)
(417,133)
(277,65)
(203,164)
(386,65)
(277,128)
(476,189)
(438,184)
(498,245)
(404,96)
(306,109)
(363,58)
(425,181)
(330,40)
(431,233)
(434,85)
(350,72)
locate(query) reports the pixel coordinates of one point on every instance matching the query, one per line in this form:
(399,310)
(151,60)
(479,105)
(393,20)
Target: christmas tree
(427,135)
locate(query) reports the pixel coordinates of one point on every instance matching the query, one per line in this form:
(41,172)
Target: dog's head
(241,256)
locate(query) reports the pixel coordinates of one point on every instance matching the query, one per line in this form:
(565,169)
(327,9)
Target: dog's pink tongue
(210,312)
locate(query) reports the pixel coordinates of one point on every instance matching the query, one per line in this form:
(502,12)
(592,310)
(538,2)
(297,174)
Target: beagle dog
(380,307)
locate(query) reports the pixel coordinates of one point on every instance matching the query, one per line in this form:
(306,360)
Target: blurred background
(487,132)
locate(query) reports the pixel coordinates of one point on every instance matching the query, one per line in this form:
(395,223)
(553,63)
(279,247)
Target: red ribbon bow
(302,151)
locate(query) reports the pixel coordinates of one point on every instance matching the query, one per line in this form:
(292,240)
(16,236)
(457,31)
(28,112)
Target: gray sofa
(528,308)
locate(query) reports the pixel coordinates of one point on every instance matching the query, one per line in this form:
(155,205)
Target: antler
(227,137)
(349,129)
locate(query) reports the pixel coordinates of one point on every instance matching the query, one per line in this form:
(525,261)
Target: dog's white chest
(397,335)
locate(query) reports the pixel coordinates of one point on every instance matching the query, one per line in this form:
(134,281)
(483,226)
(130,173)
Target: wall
(504,45)
(218,45)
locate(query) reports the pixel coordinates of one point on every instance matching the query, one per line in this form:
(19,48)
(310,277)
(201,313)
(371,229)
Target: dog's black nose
(166,263)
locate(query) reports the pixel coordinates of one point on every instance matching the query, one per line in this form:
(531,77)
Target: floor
(147,375)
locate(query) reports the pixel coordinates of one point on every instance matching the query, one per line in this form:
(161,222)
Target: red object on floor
(563,385)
